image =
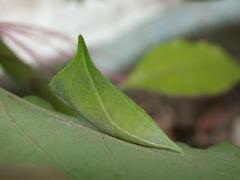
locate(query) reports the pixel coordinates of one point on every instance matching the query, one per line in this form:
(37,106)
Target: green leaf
(18,70)
(82,86)
(77,118)
(32,135)
(29,172)
(40,102)
(182,68)
(41,88)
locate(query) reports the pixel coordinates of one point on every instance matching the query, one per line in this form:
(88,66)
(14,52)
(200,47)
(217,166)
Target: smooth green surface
(39,101)
(77,118)
(32,135)
(27,172)
(82,86)
(182,68)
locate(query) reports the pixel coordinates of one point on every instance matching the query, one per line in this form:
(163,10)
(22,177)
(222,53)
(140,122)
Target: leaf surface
(81,85)
(27,172)
(32,135)
(39,101)
(182,68)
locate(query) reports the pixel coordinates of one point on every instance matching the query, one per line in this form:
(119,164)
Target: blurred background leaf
(182,68)
(18,70)
(28,78)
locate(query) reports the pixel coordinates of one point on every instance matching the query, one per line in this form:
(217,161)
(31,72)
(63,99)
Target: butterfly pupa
(81,85)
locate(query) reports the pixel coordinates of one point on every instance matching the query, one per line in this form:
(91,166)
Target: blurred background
(121,35)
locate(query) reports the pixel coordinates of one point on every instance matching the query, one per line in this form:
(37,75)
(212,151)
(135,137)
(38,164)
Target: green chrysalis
(82,86)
